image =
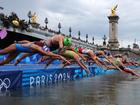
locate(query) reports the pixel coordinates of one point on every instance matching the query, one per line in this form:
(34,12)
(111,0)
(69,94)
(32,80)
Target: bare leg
(22,57)
(81,64)
(42,59)
(96,60)
(66,64)
(10,57)
(75,56)
(131,72)
(8,49)
(111,67)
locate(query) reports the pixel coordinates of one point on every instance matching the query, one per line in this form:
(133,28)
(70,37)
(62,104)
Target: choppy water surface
(114,89)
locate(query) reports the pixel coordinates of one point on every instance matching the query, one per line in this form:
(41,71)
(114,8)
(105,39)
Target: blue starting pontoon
(32,75)
(29,74)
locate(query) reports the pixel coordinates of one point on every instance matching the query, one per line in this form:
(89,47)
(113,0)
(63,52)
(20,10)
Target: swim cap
(80,50)
(67,41)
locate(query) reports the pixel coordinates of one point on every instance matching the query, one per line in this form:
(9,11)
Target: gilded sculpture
(113,10)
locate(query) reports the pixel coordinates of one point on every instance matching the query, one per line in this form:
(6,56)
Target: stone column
(113,42)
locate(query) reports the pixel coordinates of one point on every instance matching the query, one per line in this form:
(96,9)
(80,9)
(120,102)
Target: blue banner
(35,78)
(10,80)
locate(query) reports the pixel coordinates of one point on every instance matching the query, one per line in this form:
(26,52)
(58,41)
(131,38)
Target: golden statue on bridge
(113,10)
(34,18)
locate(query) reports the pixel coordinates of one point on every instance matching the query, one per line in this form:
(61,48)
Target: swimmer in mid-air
(28,47)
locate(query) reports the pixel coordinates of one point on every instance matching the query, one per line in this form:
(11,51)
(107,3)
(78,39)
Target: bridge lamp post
(70,32)
(46,22)
(93,40)
(29,16)
(59,27)
(104,42)
(79,34)
(86,37)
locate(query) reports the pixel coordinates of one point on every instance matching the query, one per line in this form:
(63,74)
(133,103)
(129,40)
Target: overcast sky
(88,16)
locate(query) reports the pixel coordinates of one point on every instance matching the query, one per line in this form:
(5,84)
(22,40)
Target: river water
(112,89)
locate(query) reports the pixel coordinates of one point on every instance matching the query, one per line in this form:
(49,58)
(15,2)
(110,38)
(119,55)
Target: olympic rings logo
(5,83)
